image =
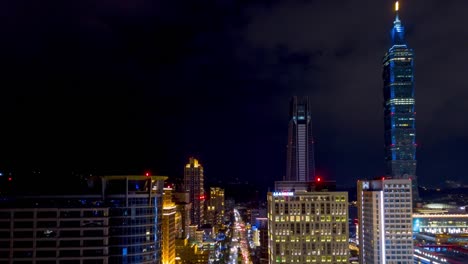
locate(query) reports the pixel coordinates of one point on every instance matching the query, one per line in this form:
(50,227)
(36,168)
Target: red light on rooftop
(147,174)
(318,179)
(10,178)
(383,178)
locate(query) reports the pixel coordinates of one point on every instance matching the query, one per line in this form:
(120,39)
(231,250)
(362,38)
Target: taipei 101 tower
(399,108)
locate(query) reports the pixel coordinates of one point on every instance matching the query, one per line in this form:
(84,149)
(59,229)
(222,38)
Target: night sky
(125,86)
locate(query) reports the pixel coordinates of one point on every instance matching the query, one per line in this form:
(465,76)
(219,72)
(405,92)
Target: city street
(239,252)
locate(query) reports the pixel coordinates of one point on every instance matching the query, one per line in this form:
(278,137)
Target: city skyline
(143,87)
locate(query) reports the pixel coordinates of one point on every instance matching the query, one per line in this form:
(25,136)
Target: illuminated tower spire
(398,31)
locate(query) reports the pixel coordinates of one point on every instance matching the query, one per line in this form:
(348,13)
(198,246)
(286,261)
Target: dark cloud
(129,85)
(346,92)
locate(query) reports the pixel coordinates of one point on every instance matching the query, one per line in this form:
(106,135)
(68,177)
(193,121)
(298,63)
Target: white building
(385,221)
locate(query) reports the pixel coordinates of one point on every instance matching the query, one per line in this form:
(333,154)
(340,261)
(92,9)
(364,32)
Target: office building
(119,223)
(307,223)
(261,247)
(168,228)
(399,108)
(52,231)
(194,185)
(300,148)
(188,253)
(215,207)
(385,221)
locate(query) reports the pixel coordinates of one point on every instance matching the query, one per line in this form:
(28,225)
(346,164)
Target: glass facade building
(300,148)
(119,223)
(135,218)
(399,108)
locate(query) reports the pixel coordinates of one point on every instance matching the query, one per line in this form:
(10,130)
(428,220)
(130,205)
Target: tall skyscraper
(169,232)
(399,108)
(215,207)
(300,148)
(385,221)
(193,183)
(307,223)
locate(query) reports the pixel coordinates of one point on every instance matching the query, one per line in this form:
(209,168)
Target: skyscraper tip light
(398,31)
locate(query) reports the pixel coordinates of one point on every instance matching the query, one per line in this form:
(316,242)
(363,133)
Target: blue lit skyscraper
(399,108)
(300,149)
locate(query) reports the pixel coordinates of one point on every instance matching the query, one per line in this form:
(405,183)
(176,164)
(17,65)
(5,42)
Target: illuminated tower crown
(398,31)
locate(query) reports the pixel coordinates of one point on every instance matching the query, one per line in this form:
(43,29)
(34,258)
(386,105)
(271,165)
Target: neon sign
(283,194)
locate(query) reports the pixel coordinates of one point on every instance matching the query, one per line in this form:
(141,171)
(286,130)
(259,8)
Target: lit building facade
(194,184)
(441,223)
(307,226)
(262,246)
(385,221)
(168,228)
(192,232)
(399,108)
(189,253)
(215,207)
(121,223)
(300,148)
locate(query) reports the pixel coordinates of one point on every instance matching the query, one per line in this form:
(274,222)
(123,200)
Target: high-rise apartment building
(385,221)
(399,108)
(168,243)
(307,223)
(193,183)
(119,222)
(300,148)
(215,207)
